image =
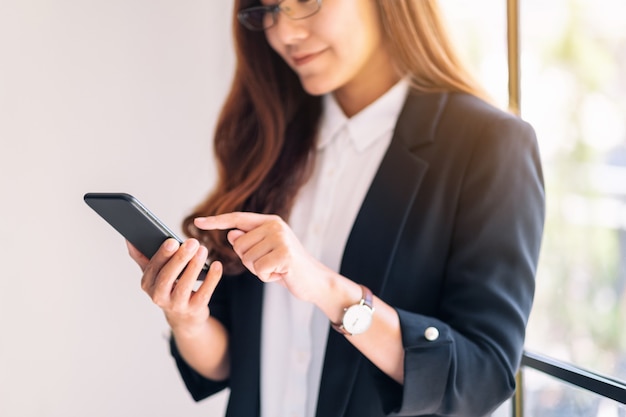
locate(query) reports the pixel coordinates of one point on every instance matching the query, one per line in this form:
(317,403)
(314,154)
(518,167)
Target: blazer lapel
(371,246)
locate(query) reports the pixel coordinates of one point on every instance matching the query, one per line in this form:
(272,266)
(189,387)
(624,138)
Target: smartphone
(134,222)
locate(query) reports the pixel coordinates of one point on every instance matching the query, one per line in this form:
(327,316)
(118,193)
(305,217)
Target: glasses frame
(274,10)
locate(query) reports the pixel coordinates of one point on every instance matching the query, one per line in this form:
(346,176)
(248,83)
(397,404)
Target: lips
(302,59)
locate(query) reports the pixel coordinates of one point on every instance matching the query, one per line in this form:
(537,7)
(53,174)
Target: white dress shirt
(294,333)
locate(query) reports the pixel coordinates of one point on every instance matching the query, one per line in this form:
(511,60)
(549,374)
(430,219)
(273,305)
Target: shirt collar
(369,124)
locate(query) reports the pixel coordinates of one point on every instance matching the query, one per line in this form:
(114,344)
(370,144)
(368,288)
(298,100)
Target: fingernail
(171,244)
(192,245)
(216,266)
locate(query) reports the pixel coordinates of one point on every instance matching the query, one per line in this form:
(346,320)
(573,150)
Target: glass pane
(479,29)
(573,67)
(574,94)
(545,396)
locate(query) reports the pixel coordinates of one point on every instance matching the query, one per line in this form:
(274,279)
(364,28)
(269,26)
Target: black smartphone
(133,221)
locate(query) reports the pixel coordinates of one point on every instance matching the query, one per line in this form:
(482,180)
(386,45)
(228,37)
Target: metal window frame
(513,52)
(596,383)
(591,381)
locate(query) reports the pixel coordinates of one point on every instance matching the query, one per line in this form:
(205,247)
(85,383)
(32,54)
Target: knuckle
(237,249)
(275,218)
(275,225)
(150,270)
(250,265)
(177,308)
(158,299)
(283,252)
(261,269)
(160,287)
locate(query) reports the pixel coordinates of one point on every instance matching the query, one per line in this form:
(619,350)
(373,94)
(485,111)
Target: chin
(317,87)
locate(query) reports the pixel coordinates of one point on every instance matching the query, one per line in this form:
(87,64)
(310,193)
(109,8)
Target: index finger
(244,221)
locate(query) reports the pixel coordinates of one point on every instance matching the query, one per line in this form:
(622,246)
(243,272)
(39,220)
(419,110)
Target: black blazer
(449,235)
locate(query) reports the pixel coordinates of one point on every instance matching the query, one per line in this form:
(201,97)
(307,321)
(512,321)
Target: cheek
(349,39)
(351,53)
(273,42)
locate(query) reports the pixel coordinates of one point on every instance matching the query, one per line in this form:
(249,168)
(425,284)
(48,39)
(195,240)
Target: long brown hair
(267,128)
(421,47)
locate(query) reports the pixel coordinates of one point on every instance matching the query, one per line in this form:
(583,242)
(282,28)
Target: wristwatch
(358,317)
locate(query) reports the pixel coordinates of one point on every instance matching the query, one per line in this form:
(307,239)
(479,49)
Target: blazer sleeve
(198,386)
(488,285)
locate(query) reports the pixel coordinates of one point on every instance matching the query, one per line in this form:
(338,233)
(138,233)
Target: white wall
(115,95)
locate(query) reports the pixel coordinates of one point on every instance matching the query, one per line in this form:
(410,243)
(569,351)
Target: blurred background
(123,96)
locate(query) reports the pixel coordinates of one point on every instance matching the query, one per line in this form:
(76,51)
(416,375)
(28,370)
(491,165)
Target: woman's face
(339,49)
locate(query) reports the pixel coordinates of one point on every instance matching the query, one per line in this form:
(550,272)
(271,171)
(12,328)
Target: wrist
(340,292)
(187,328)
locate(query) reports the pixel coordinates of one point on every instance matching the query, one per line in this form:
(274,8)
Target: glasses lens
(300,9)
(264,17)
(255,18)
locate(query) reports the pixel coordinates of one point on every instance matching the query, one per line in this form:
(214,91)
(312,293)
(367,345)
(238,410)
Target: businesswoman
(376,221)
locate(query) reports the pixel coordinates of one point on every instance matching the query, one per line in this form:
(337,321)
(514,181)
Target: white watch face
(357,319)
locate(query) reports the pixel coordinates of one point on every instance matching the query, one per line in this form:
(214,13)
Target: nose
(290,31)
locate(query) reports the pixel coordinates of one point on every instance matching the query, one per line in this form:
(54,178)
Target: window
(573,91)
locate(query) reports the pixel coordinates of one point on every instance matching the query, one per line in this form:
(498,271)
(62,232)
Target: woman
(362,183)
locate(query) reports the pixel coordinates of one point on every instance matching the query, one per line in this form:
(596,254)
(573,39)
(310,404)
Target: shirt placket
(300,355)
(326,193)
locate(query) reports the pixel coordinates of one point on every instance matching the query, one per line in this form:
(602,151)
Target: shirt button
(431,334)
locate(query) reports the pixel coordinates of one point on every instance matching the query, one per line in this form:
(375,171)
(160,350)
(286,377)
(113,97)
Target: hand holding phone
(134,222)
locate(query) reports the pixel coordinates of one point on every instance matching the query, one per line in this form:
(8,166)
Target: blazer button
(431,334)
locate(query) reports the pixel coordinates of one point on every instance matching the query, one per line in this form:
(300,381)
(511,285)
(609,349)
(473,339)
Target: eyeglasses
(264,17)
